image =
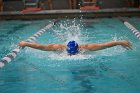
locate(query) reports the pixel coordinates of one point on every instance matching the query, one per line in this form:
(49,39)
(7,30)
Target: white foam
(1,64)
(117,50)
(65,56)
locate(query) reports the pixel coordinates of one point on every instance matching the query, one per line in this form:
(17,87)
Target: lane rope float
(9,57)
(131,27)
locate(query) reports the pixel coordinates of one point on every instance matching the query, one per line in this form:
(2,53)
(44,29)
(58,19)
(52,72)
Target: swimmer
(73,48)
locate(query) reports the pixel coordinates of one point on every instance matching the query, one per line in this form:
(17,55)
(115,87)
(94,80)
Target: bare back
(54,47)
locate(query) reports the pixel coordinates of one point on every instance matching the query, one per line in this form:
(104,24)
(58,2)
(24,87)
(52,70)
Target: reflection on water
(83,75)
(118,74)
(16,28)
(88,76)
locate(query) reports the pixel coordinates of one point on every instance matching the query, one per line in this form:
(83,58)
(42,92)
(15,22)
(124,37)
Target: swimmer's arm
(44,47)
(101,46)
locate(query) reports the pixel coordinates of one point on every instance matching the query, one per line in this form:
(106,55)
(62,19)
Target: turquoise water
(113,70)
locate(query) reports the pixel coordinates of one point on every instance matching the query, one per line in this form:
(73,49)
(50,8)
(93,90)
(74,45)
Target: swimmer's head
(72,47)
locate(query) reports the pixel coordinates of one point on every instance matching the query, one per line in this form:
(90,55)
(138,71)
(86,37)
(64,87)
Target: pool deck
(53,14)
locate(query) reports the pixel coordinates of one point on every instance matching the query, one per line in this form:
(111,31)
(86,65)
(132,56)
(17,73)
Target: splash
(68,30)
(114,51)
(71,30)
(64,56)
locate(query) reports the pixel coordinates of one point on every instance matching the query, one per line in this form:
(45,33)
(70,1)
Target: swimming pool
(106,71)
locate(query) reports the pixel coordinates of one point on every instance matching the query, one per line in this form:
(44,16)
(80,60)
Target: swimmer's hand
(22,44)
(126,44)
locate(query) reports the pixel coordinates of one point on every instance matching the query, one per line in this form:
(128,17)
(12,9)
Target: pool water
(113,70)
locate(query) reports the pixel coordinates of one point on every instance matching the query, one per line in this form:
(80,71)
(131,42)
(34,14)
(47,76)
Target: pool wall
(71,13)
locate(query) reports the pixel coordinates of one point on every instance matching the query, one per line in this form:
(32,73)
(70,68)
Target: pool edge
(54,14)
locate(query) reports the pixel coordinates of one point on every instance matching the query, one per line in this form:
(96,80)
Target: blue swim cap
(72,47)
